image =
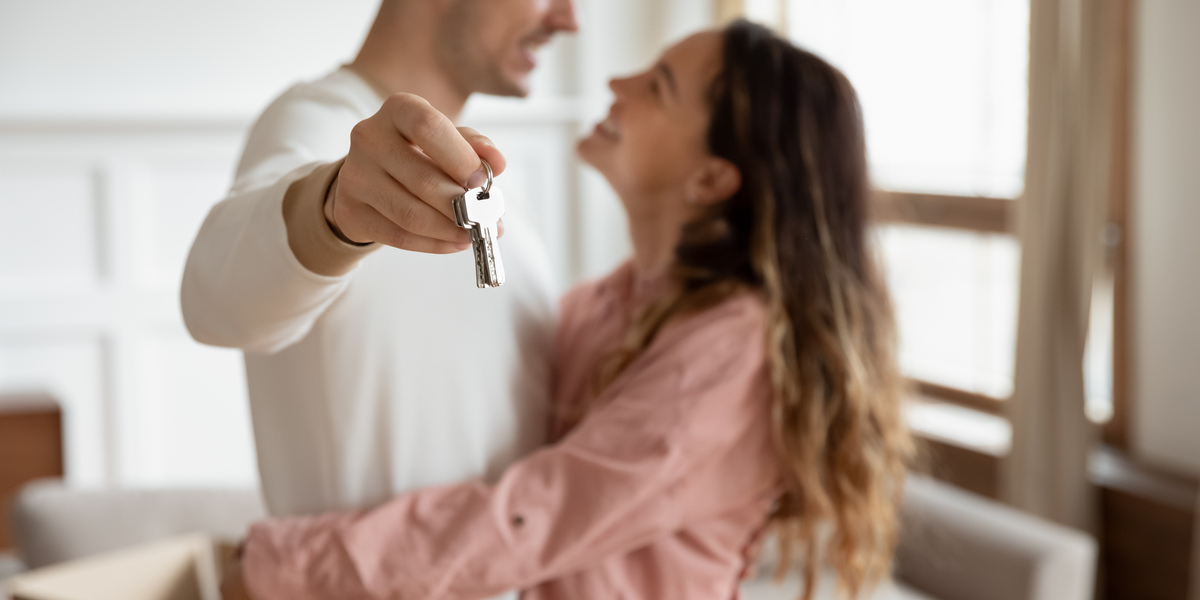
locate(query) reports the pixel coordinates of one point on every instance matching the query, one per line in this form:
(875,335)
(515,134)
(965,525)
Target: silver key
(479,210)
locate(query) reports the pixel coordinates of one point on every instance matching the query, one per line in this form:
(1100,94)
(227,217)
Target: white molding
(113,123)
(481,110)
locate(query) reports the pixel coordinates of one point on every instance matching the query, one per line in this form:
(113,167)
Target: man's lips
(530,45)
(609,129)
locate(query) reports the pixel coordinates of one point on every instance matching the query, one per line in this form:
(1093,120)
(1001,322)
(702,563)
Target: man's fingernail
(477,179)
(462,246)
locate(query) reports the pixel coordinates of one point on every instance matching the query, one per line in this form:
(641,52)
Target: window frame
(993,215)
(982,214)
(1115,432)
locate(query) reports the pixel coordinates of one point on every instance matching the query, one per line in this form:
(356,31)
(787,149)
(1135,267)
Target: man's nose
(617,84)
(561,16)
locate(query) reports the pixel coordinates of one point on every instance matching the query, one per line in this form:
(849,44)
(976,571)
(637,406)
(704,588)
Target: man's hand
(406,164)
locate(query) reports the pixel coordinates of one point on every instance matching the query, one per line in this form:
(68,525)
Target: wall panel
(176,194)
(100,218)
(48,234)
(1165,213)
(72,370)
(187,421)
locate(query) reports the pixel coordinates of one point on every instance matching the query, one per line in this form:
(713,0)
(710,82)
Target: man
(353,399)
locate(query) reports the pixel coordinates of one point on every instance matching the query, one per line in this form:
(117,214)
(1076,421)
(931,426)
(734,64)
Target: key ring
(488,187)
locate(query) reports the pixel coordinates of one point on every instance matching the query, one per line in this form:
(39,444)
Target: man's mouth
(532,43)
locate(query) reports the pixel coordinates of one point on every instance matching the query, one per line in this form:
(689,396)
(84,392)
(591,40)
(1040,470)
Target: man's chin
(517,87)
(505,84)
(588,150)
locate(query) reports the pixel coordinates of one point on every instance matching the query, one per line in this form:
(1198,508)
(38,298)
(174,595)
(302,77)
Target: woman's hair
(795,231)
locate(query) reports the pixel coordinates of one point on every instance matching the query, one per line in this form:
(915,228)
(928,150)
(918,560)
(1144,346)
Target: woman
(737,374)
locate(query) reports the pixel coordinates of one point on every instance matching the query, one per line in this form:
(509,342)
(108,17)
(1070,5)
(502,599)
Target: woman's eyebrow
(669,75)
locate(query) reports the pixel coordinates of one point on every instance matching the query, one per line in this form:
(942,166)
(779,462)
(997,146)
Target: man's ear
(716,181)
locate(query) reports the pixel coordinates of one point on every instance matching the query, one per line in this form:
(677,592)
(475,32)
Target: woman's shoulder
(719,348)
(729,334)
(739,318)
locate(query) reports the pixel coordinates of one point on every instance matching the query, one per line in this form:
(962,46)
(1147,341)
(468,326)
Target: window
(944,93)
(942,84)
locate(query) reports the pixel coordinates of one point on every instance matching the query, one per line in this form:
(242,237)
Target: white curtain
(1061,216)
(726,10)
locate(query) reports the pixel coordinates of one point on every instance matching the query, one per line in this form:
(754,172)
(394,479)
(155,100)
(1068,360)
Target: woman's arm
(617,483)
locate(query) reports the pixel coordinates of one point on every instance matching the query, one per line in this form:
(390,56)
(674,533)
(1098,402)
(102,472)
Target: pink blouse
(657,494)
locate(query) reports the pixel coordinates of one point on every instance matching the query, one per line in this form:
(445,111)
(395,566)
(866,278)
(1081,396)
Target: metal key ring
(488,187)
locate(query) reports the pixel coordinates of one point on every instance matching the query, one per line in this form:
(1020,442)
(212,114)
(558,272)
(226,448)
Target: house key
(479,210)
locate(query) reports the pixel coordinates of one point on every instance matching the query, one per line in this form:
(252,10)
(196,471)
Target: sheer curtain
(725,10)
(1061,217)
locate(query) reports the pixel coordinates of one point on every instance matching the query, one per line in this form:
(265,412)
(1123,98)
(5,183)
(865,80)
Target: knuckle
(410,215)
(400,101)
(360,134)
(346,211)
(427,124)
(349,183)
(348,172)
(429,179)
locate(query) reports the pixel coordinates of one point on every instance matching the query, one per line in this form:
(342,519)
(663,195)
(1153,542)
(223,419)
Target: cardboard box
(180,568)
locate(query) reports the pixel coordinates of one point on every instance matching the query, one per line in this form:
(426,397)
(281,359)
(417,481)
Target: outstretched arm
(267,263)
(626,477)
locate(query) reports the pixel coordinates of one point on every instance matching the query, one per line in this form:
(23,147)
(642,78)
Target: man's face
(490,46)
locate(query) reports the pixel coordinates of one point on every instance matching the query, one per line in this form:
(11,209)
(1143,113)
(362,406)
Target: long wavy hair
(795,231)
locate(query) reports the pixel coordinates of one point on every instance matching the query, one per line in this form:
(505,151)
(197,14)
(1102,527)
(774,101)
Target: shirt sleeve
(617,483)
(264,265)
(243,285)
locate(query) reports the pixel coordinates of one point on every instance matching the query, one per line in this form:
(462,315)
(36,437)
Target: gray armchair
(960,546)
(954,545)
(52,523)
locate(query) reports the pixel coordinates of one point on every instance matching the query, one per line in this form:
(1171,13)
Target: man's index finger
(435,134)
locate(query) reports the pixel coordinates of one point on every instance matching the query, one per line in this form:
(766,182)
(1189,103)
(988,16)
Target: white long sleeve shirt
(398,375)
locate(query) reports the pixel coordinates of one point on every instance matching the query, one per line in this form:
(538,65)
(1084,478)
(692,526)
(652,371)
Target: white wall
(1166,234)
(143,58)
(120,124)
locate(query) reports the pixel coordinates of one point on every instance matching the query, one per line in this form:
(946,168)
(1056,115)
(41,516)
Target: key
(479,213)
(479,210)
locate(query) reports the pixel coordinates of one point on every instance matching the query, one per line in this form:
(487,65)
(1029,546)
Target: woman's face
(656,134)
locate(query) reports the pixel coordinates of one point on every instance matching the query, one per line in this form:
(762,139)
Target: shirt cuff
(312,241)
(301,558)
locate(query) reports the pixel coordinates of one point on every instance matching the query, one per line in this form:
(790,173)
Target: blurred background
(121,123)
